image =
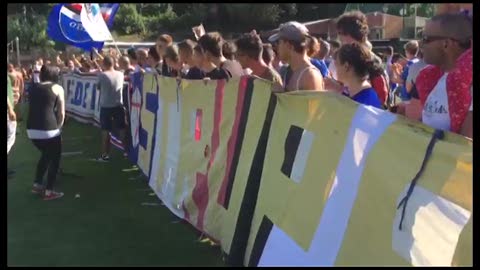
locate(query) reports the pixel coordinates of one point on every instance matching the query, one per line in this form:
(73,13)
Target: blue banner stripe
(143,138)
(151,103)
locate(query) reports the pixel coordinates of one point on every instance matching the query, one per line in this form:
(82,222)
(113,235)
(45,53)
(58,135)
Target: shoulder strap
(300,76)
(287,74)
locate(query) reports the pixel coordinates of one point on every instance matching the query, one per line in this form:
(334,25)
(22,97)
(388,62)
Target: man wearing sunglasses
(445,87)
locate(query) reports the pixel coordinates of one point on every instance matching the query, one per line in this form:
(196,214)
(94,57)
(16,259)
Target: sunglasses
(428,39)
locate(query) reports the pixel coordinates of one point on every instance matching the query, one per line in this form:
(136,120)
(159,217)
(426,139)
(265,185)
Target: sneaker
(52,196)
(104,158)
(38,189)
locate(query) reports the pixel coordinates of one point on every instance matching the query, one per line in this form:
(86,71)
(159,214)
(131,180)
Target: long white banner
(82,97)
(82,100)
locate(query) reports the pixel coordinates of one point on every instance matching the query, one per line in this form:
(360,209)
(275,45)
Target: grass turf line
(106,226)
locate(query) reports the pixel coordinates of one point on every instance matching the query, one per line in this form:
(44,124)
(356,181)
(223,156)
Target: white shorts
(11,131)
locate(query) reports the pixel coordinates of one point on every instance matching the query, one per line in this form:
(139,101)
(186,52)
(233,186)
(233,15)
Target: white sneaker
(103,158)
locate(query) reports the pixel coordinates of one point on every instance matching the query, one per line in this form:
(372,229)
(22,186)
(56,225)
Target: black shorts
(112,118)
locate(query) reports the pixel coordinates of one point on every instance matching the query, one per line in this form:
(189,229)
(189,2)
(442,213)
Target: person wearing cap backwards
(293,41)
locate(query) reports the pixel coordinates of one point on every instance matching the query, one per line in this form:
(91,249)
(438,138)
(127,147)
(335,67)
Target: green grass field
(107,225)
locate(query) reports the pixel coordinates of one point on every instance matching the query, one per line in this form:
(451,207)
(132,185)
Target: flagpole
(18,52)
(115,43)
(87,9)
(8,52)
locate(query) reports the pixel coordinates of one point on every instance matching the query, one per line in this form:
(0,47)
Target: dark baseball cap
(292,30)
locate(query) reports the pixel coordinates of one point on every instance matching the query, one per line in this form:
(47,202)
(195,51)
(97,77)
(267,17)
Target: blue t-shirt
(320,64)
(368,97)
(404,95)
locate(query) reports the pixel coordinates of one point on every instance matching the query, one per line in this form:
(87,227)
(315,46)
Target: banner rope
(437,135)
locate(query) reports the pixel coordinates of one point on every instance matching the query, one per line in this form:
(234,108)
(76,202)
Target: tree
(128,21)
(423,9)
(190,14)
(40,9)
(152,10)
(155,18)
(244,17)
(165,21)
(289,10)
(31,32)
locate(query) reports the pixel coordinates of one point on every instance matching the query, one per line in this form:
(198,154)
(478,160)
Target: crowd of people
(433,81)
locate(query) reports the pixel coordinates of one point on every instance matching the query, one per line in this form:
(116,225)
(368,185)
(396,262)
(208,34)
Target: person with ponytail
(354,67)
(352,27)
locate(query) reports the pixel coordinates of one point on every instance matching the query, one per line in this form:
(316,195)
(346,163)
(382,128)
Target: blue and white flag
(94,23)
(65,24)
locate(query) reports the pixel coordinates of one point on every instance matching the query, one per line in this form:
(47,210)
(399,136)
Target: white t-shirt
(414,70)
(389,62)
(435,111)
(36,73)
(333,70)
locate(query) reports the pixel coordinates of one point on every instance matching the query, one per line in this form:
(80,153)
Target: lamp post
(403,12)
(385,10)
(415,6)
(18,51)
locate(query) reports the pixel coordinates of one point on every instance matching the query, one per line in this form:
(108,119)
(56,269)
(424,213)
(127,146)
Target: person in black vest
(45,120)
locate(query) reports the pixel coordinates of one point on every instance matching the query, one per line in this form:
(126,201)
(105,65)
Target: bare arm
(11,113)
(409,87)
(61,105)
(98,54)
(396,74)
(333,85)
(312,80)
(76,62)
(97,65)
(22,85)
